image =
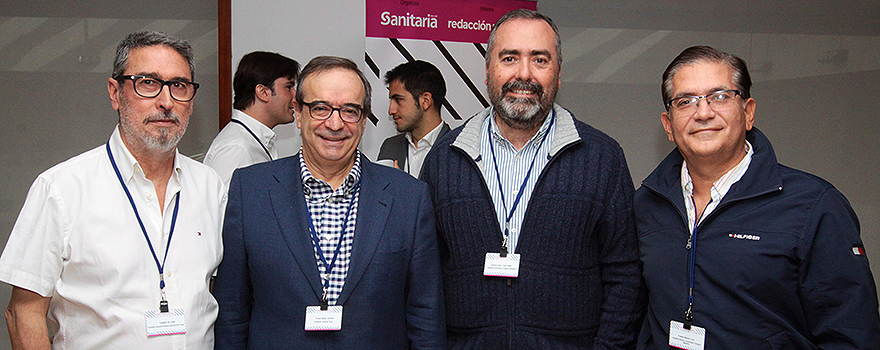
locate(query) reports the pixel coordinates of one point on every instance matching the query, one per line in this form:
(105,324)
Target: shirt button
(150,196)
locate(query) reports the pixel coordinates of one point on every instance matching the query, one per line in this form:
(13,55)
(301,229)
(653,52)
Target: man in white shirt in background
(264,89)
(416,90)
(92,254)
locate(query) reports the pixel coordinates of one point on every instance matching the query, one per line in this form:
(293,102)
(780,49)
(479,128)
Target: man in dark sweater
(534,211)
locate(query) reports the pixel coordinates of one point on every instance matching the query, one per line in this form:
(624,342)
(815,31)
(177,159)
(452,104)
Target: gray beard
(520,113)
(164,143)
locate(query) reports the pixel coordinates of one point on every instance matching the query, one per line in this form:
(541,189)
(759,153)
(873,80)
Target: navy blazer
(392,297)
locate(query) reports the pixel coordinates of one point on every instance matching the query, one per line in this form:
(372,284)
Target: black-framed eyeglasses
(322,111)
(148,87)
(718,101)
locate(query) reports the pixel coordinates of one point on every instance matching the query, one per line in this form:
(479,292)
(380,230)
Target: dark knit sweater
(579,285)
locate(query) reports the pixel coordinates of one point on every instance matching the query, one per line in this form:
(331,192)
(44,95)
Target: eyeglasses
(323,110)
(147,87)
(718,101)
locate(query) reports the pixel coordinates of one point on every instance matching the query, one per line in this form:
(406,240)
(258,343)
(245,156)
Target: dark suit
(396,147)
(392,297)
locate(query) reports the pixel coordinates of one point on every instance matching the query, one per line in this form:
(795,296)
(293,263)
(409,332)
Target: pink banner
(445,20)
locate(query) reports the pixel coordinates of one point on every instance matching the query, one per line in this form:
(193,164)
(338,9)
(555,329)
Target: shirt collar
(263,132)
(428,139)
(496,133)
(127,163)
(722,185)
(311,183)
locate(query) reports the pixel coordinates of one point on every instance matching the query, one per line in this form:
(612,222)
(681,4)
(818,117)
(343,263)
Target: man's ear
(426,100)
(262,92)
(666,120)
(298,115)
(113,89)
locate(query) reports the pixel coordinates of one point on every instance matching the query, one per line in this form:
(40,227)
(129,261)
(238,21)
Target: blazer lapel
(374,206)
(289,206)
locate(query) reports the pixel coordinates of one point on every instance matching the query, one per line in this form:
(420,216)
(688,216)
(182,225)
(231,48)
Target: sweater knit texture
(579,284)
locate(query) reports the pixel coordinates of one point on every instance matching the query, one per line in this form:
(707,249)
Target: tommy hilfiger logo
(744,236)
(858,249)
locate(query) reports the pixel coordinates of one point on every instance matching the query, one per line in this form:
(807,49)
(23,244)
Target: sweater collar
(469,138)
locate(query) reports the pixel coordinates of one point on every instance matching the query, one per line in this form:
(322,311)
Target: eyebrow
(156,76)
(711,91)
(541,53)
(504,52)
(350,104)
(516,52)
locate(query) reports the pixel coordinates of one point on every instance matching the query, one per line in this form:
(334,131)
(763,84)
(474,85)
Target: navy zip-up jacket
(775,265)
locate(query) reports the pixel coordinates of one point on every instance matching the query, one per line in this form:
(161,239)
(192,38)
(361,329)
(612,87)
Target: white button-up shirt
(416,153)
(234,147)
(77,241)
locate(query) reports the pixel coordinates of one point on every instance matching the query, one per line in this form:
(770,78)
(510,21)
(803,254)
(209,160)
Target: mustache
(523,85)
(167,116)
(333,135)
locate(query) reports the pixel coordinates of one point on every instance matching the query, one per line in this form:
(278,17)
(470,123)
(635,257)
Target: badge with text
(324,320)
(165,323)
(496,266)
(688,339)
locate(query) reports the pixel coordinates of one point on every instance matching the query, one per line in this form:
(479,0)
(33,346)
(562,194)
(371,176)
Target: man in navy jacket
(326,250)
(741,252)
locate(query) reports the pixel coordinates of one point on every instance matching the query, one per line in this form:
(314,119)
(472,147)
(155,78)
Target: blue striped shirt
(513,166)
(328,209)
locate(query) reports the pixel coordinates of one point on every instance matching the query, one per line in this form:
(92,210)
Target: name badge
(496,266)
(165,323)
(688,339)
(324,320)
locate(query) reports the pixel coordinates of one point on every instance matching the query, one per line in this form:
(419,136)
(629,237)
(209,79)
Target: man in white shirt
(92,254)
(416,90)
(264,89)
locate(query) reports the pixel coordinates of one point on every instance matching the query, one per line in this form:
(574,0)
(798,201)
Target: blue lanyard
(254,135)
(163,304)
(521,187)
(692,258)
(317,241)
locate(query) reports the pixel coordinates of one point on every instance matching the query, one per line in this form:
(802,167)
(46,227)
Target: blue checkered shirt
(327,209)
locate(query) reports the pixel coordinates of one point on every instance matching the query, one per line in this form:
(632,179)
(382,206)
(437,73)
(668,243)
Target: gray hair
(524,14)
(694,54)
(324,63)
(146,39)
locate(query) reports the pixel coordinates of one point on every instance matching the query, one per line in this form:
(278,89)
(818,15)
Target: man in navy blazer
(324,249)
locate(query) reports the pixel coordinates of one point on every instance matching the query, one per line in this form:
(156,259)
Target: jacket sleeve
(837,288)
(232,287)
(425,311)
(625,297)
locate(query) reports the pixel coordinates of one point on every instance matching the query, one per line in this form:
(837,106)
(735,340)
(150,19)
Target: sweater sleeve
(624,293)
